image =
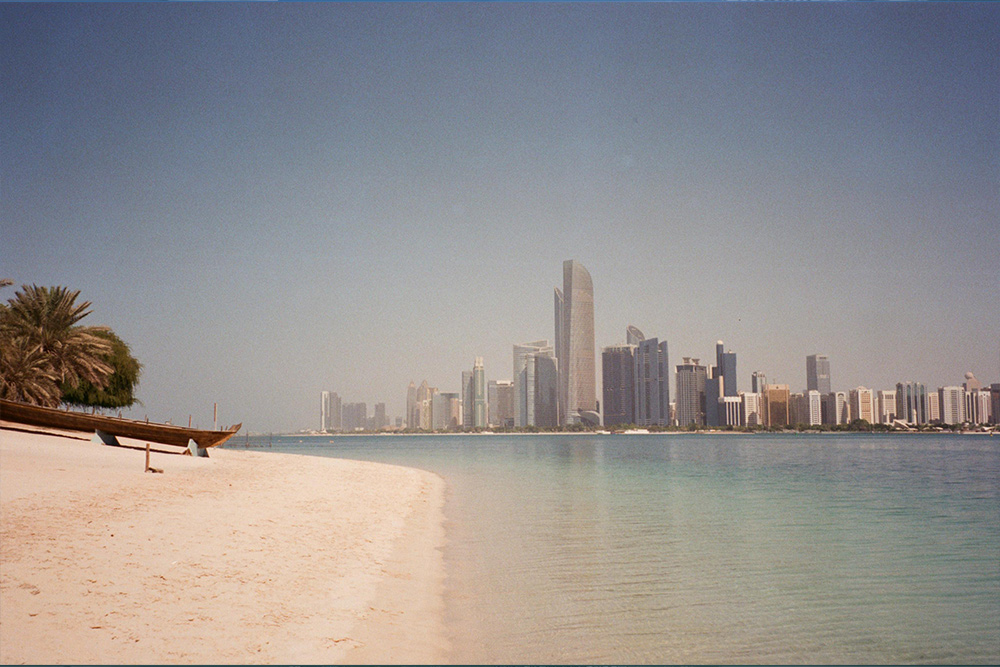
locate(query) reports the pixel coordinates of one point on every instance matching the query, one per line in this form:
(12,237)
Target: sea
(702,548)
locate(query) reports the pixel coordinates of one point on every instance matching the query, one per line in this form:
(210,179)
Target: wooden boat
(166,434)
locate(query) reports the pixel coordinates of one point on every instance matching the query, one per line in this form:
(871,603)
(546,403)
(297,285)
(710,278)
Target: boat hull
(166,434)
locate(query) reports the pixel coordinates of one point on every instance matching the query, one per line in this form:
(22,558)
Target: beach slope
(244,557)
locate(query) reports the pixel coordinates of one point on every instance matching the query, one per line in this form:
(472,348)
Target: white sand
(245,557)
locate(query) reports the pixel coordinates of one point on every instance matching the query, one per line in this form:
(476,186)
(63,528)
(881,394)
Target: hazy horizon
(268,200)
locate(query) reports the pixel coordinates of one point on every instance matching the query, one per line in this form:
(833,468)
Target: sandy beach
(244,557)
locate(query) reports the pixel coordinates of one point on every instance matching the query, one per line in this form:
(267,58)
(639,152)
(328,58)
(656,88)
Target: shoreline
(235,443)
(244,557)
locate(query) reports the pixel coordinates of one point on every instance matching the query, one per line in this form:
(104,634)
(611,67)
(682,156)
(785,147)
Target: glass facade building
(575,351)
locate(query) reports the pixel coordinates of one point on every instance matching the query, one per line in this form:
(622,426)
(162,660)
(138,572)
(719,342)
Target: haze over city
(267,201)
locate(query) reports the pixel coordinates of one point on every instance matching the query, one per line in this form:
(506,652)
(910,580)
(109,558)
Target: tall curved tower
(575,352)
(633,336)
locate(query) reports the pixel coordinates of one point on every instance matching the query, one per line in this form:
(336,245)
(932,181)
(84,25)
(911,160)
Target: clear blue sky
(268,200)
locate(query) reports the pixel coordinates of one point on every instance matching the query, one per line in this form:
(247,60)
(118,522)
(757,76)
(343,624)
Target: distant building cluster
(554,386)
(339,417)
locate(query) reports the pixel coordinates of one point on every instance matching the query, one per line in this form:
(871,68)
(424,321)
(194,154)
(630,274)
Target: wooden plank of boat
(166,434)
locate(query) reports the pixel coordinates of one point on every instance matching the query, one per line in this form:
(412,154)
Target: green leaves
(47,357)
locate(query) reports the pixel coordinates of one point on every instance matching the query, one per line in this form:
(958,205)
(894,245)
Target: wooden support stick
(148,467)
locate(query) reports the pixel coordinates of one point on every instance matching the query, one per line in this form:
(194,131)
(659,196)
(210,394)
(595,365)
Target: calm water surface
(701,548)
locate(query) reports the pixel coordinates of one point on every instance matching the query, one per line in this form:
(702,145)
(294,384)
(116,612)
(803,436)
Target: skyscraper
(633,336)
(691,393)
(335,420)
(951,403)
(776,398)
(355,416)
(447,411)
(911,402)
(618,382)
(574,329)
(478,394)
(863,404)
(750,409)
(468,398)
(818,373)
(757,382)
(726,365)
(412,407)
(838,408)
(713,392)
(886,406)
(324,407)
(500,403)
(652,384)
(544,370)
(995,403)
(814,408)
(524,381)
(425,408)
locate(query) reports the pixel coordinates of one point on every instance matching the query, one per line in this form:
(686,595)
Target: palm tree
(40,324)
(26,375)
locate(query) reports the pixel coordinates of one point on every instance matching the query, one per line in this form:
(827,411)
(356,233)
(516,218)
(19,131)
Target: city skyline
(266,201)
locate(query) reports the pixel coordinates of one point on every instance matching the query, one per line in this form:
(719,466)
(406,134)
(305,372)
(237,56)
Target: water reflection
(675,548)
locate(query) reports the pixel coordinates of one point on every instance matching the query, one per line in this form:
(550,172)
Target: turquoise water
(701,548)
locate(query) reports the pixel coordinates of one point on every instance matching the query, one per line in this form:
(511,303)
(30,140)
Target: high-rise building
(468,398)
(447,408)
(491,403)
(324,407)
(933,408)
(524,385)
(425,406)
(618,382)
(757,382)
(977,404)
(750,414)
(426,419)
(545,373)
(500,403)
(798,409)
(971,383)
(355,416)
(983,413)
(885,406)
(412,408)
(478,394)
(813,414)
(330,411)
(995,403)
(380,420)
(633,336)
(838,406)
(652,384)
(726,363)
(505,404)
(862,404)
(776,397)
(951,402)
(575,351)
(690,402)
(818,373)
(911,402)
(335,413)
(730,410)
(713,392)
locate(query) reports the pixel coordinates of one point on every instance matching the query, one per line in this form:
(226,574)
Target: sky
(270,200)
